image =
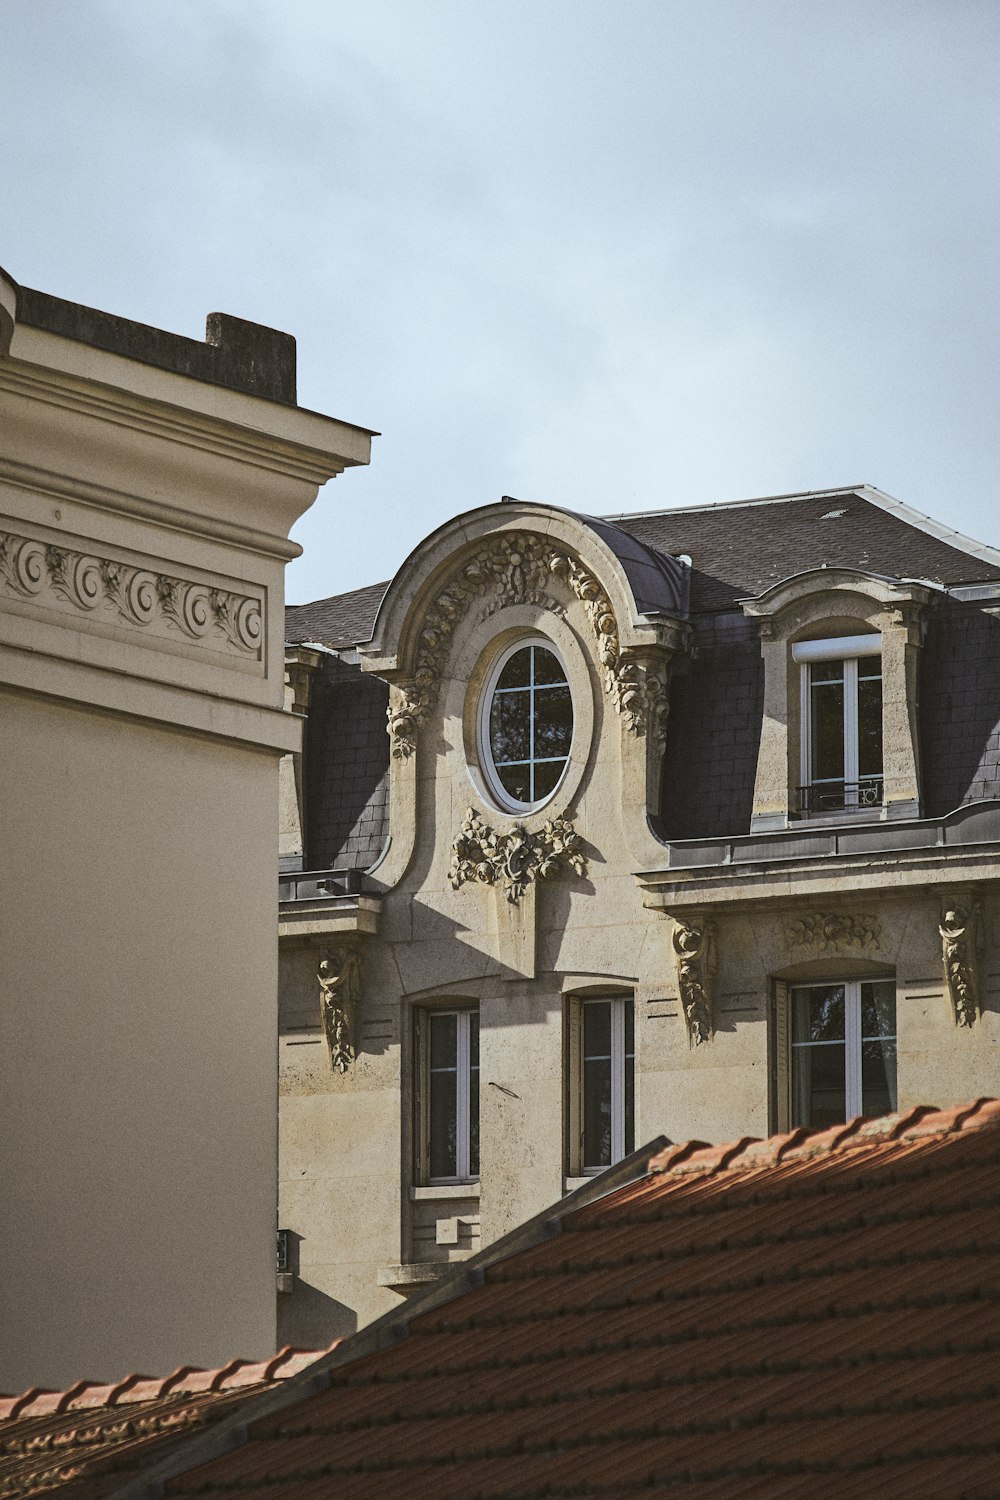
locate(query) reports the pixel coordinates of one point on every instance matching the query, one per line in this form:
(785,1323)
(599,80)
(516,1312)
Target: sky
(614,255)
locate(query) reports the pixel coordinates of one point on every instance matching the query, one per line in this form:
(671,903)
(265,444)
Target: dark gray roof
(342,620)
(739,550)
(736,551)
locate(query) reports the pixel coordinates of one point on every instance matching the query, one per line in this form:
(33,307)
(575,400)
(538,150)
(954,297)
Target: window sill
(443,1191)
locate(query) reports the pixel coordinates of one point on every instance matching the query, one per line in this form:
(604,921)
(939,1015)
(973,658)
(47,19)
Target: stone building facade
(148,483)
(682,824)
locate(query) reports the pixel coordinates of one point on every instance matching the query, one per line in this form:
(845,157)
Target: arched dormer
(607,608)
(839,737)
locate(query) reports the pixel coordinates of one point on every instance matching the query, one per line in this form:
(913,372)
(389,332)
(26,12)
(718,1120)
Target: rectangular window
(602,1082)
(842,1040)
(448,1095)
(841,723)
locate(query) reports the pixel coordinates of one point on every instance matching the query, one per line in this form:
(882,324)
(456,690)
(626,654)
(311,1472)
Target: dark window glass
(869,723)
(629,1076)
(443,1101)
(878,1048)
(474,1095)
(827,723)
(597,1085)
(530,724)
(818,1014)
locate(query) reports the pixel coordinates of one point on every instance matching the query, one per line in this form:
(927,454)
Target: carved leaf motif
(518,568)
(961,948)
(513,860)
(830,932)
(339,975)
(694,955)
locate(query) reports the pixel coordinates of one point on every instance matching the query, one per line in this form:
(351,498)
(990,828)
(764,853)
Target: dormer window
(841,686)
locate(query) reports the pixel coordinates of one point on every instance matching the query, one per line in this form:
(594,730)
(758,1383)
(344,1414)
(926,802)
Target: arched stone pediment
(513,554)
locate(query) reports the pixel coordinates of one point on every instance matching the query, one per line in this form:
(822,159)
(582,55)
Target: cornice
(155,418)
(169,517)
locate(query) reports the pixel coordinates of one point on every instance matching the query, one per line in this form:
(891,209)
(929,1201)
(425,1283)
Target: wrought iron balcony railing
(840,796)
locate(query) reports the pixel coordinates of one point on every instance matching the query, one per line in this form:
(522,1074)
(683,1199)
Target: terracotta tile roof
(84,1441)
(813,1315)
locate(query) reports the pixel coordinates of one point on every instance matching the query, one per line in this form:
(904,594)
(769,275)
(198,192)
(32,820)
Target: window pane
(878,1077)
(827,707)
(509,721)
(597,1029)
(597,1112)
(516,781)
(878,1009)
(517,669)
(553,722)
(547,777)
(818,1013)
(474,1094)
(444,1041)
(629,1076)
(870,726)
(818,1085)
(547,666)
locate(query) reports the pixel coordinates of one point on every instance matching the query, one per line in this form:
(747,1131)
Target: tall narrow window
(843,1050)
(841,723)
(450,1095)
(606,1082)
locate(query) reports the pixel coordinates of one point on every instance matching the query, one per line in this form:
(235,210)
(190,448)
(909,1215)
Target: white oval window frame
(501,797)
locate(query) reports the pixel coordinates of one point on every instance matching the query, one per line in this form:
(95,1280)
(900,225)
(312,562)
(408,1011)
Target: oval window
(526,725)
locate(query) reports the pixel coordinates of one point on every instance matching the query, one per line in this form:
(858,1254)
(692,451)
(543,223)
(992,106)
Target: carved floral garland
(516,858)
(28,567)
(518,567)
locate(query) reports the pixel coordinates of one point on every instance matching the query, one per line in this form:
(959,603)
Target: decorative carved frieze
(962,943)
(833,932)
(694,954)
(520,568)
(515,858)
(339,975)
(139,596)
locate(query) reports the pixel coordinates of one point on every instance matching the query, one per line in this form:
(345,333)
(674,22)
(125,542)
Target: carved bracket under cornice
(339,975)
(31,570)
(516,858)
(962,945)
(694,956)
(522,568)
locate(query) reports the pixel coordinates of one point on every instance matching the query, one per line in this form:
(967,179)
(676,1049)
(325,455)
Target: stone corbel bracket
(962,947)
(339,975)
(693,941)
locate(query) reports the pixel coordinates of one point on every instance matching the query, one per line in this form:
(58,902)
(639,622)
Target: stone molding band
(30,569)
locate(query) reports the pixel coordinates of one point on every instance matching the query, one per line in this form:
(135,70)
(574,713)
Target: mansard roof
(737,550)
(811,1315)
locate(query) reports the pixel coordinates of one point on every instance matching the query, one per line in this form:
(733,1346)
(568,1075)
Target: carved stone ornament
(30,569)
(519,567)
(961,948)
(339,975)
(833,932)
(513,860)
(694,954)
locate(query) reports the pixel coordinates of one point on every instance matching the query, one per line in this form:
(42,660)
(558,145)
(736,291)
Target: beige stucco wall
(144,521)
(348,1192)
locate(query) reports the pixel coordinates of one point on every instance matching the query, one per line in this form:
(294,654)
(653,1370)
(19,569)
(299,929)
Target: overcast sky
(610,254)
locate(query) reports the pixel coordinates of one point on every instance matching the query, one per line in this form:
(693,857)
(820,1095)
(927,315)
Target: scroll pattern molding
(30,569)
(516,858)
(520,568)
(694,956)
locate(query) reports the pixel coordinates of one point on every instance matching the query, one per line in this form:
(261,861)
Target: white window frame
(848,649)
(852,1043)
(577,1076)
(463,1095)
(497,790)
